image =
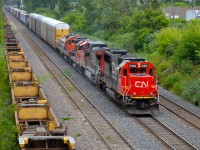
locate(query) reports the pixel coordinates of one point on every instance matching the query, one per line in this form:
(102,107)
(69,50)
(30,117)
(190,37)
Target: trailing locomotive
(129,80)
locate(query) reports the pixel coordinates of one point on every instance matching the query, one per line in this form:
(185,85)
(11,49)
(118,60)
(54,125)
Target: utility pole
(164,6)
(21,4)
(194,4)
(172,3)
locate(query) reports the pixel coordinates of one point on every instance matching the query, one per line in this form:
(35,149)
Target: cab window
(125,72)
(133,70)
(151,71)
(143,70)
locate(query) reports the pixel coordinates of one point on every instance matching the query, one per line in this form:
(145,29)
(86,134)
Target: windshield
(138,71)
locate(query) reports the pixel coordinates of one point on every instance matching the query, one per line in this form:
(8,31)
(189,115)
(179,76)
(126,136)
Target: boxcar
(24,17)
(38,25)
(32,21)
(44,27)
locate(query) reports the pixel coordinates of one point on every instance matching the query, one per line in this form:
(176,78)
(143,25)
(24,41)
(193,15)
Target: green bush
(180,4)
(168,40)
(46,12)
(191,91)
(171,80)
(150,44)
(189,48)
(195,72)
(76,21)
(124,41)
(186,67)
(139,39)
(177,88)
(102,34)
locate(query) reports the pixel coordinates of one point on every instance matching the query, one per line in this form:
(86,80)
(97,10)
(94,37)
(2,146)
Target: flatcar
(37,124)
(129,80)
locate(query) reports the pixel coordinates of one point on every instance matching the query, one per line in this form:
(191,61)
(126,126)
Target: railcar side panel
(44,28)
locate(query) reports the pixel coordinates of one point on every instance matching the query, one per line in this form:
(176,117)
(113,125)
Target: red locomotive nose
(143,86)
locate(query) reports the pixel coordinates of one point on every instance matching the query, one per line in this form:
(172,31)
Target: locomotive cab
(137,83)
(69,43)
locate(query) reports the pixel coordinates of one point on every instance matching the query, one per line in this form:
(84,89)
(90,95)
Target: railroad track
(112,138)
(168,138)
(183,113)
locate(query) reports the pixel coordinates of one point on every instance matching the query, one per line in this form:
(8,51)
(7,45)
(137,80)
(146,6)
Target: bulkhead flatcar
(37,124)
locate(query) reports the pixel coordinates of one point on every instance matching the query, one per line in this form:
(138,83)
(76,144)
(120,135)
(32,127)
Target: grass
(79,135)
(66,119)
(8,129)
(42,79)
(68,73)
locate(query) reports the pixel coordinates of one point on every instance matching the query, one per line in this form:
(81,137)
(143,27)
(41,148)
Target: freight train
(36,122)
(129,80)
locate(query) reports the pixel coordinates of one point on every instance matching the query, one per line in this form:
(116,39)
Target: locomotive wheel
(70,61)
(101,86)
(104,87)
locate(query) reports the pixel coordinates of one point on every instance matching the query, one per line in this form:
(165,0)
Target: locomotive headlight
(144,66)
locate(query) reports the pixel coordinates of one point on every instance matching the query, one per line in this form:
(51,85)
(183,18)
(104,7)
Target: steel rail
(164,134)
(188,116)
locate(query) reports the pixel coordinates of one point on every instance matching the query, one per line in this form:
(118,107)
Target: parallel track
(169,138)
(180,111)
(112,138)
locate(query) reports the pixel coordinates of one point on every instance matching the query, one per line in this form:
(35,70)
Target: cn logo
(141,84)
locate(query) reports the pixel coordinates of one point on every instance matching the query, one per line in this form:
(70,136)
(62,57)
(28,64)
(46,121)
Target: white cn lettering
(141,84)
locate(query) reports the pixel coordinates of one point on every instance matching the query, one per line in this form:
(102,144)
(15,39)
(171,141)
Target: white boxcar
(44,27)
(18,13)
(24,17)
(15,12)
(38,24)
(56,30)
(32,21)
(9,8)
(12,10)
